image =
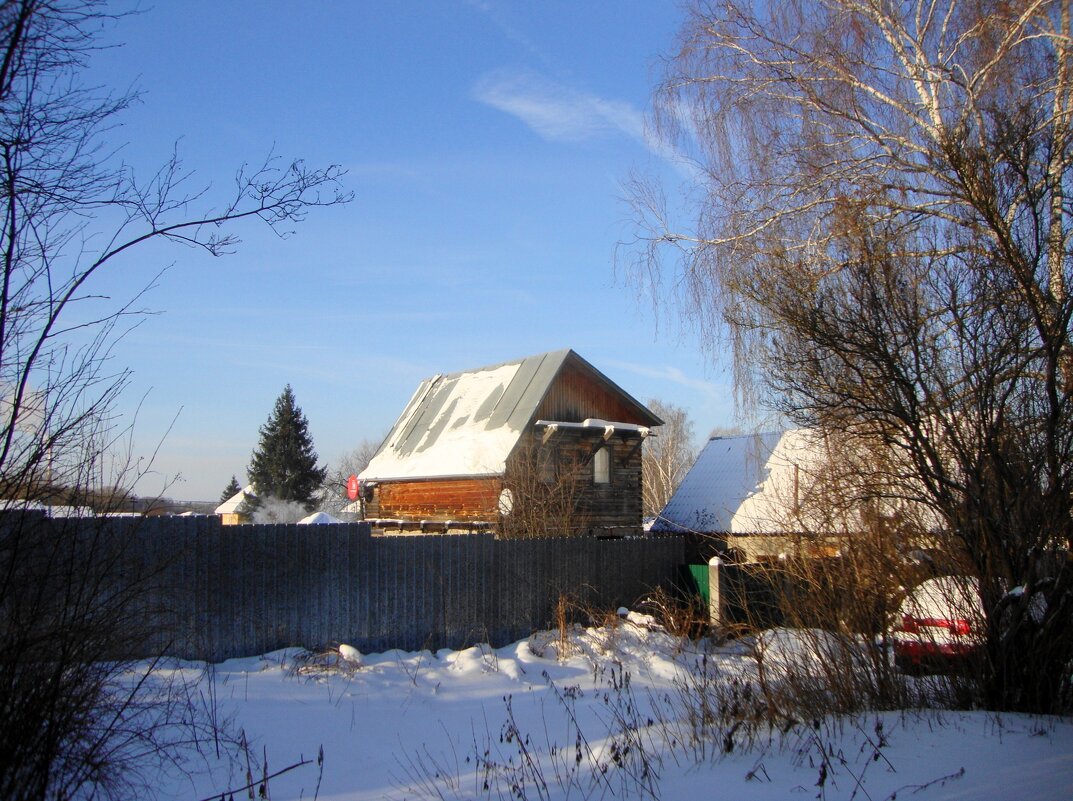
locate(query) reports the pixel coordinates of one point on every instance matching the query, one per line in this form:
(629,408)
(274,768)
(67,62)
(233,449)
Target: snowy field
(605,721)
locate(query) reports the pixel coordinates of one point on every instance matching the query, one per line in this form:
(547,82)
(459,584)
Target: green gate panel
(696,581)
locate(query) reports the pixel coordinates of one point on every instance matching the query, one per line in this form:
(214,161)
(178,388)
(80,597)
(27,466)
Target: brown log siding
(600,507)
(467,500)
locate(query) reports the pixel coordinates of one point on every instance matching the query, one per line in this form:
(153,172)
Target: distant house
(544,442)
(744,495)
(232,512)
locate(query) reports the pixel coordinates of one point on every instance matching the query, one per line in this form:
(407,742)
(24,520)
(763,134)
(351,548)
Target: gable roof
(743,485)
(232,504)
(468,423)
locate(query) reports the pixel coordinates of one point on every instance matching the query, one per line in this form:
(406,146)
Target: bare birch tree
(77,717)
(667,456)
(883,238)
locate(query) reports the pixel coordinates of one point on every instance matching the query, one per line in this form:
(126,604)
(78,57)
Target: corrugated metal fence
(214,592)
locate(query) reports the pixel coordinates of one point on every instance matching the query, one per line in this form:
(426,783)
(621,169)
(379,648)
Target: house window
(601,466)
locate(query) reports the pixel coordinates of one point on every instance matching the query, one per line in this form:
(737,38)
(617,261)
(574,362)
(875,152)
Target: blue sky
(486,144)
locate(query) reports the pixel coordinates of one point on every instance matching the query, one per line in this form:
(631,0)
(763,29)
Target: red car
(940,623)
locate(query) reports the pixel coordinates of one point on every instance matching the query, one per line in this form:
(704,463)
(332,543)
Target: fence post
(716,613)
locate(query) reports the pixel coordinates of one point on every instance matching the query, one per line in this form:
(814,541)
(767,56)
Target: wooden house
(543,445)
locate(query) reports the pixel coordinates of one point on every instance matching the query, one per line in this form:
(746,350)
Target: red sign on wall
(352,487)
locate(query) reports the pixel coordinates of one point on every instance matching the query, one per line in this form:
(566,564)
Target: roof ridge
(483,367)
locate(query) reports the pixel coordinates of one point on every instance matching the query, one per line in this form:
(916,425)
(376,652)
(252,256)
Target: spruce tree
(231,490)
(284,466)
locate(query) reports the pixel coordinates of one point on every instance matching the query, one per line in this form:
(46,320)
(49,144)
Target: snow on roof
(742,485)
(231,505)
(608,427)
(318,518)
(446,429)
(54,511)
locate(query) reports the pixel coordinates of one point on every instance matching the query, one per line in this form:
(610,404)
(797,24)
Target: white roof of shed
(318,519)
(743,485)
(231,505)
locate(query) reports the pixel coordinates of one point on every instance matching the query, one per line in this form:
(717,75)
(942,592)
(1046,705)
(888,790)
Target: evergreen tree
(284,466)
(231,490)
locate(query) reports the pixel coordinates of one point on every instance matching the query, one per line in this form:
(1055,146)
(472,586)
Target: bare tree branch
(883,238)
(77,722)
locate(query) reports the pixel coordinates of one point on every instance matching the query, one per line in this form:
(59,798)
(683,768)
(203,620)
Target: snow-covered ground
(605,721)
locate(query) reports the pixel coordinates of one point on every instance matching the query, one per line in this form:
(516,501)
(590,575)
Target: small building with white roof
(233,512)
(747,494)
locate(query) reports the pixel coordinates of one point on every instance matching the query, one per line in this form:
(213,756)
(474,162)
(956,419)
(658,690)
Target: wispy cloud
(560,113)
(675,376)
(555,111)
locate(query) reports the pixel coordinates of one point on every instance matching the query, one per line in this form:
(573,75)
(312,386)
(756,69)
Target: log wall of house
(619,502)
(610,507)
(467,500)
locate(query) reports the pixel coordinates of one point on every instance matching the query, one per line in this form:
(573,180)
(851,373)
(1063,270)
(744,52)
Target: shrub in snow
(350,654)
